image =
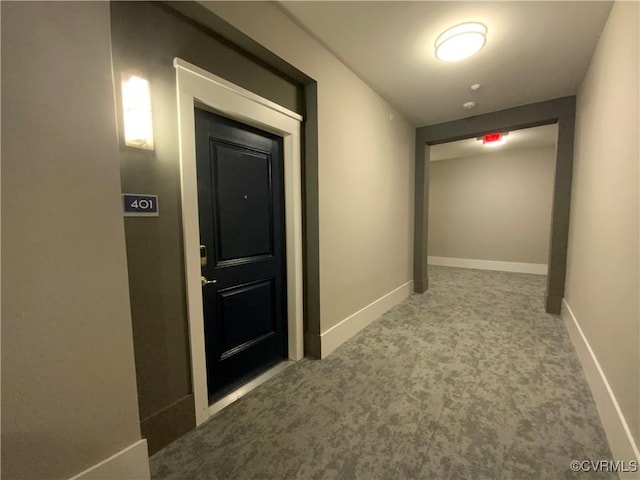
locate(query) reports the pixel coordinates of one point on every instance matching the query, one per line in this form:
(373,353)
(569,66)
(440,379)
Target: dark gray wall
(561,111)
(310,225)
(145,39)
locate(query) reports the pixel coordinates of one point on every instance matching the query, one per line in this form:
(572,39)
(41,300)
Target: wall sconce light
(136,108)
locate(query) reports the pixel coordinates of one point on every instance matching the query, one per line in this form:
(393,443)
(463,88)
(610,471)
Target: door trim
(195,84)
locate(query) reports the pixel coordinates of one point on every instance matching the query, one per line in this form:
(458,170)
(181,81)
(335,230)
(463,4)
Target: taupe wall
(68,381)
(603,257)
(495,206)
(146,38)
(365,169)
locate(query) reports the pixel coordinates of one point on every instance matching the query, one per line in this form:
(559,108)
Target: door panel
(241,213)
(245,221)
(243,316)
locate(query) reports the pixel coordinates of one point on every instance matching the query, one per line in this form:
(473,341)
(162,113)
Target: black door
(241,212)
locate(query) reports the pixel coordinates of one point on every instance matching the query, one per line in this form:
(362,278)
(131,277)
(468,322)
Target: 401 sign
(137,205)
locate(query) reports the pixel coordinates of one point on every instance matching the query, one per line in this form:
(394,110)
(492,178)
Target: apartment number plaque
(140,205)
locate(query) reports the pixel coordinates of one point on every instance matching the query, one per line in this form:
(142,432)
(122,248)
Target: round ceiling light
(460,41)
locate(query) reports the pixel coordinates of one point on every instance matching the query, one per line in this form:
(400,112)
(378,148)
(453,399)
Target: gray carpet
(471,380)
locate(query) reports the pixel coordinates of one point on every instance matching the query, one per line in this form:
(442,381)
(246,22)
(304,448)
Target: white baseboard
(536,268)
(623,446)
(132,463)
(347,328)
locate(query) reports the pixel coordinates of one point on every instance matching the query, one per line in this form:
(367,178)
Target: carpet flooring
(471,380)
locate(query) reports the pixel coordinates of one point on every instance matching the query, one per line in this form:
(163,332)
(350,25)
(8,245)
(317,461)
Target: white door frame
(195,84)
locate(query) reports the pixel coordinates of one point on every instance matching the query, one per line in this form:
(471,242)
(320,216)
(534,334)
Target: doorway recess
(197,86)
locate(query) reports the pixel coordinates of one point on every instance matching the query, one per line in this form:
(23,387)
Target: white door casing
(193,85)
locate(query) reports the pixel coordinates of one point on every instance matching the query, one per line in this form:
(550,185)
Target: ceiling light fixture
(461,41)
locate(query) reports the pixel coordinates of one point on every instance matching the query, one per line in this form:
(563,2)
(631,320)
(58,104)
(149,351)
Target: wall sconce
(136,108)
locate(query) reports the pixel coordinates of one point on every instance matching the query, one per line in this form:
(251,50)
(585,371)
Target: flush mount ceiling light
(461,41)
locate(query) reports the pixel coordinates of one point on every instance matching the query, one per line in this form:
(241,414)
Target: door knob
(205,282)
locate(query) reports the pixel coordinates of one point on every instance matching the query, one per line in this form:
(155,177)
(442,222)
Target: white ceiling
(535,51)
(544,136)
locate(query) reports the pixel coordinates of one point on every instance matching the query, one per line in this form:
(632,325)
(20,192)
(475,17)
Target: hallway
(469,380)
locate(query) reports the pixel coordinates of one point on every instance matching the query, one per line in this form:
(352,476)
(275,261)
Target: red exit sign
(492,137)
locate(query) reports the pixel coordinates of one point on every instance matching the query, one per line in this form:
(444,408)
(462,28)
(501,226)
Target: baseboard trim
(623,446)
(347,328)
(173,421)
(553,304)
(535,268)
(132,463)
(312,345)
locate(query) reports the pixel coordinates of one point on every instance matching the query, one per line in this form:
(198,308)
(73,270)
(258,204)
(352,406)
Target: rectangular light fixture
(136,108)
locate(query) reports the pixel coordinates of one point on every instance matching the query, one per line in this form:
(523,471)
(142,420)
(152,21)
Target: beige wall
(68,379)
(495,206)
(603,258)
(365,168)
